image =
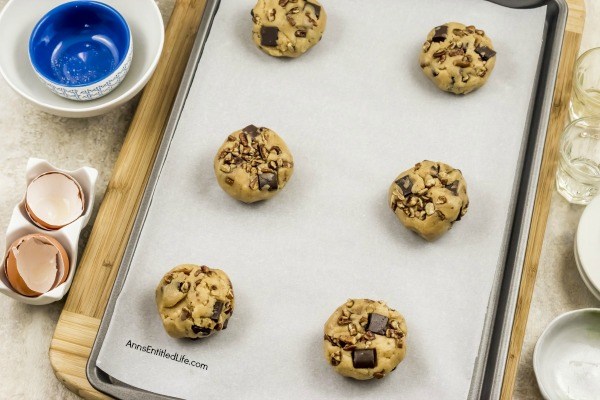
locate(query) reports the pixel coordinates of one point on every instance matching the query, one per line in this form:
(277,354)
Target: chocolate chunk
(453,187)
(217,308)
(251,130)
(268,179)
(252,13)
(269,35)
(440,34)
(366,358)
(485,52)
(405,184)
(315,7)
(198,329)
(225,323)
(377,324)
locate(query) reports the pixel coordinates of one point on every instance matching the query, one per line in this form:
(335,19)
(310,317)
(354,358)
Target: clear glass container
(585,99)
(578,175)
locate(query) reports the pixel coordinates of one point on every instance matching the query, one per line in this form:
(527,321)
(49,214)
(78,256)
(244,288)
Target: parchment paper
(355,111)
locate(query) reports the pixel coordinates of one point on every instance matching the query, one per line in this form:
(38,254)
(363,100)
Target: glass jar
(578,175)
(585,99)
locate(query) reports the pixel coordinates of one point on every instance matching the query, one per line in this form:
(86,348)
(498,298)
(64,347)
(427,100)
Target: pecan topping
(439,53)
(462,64)
(185,314)
(456,52)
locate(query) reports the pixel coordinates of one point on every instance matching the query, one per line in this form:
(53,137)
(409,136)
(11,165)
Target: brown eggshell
(12,272)
(39,221)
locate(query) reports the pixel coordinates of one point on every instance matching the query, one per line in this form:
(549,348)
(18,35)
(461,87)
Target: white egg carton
(21,225)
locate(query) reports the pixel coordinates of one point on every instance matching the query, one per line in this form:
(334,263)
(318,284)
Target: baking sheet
(348,111)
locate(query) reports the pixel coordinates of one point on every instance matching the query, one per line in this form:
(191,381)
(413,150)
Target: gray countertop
(26,331)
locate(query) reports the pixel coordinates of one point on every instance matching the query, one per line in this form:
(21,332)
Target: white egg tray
(21,225)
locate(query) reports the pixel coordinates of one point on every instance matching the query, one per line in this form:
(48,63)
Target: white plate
(17,20)
(588,244)
(566,359)
(584,277)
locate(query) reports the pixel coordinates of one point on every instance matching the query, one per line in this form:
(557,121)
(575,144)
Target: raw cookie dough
(253,164)
(365,339)
(287,28)
(194,301)
(458,58)
(429,198)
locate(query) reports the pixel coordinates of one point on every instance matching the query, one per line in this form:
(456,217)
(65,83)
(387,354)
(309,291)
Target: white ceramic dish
(17,20)
(566,359)
(20,225)
(588,246)
(584,276)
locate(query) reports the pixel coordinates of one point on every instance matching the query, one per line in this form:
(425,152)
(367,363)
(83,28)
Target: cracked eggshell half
(36,264)
(54,200)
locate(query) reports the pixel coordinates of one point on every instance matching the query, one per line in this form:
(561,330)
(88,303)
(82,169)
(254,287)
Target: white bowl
(566,359)
(587,247)
(583,275)
(18,19)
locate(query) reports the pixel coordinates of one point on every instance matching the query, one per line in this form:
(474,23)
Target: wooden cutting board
(80,319)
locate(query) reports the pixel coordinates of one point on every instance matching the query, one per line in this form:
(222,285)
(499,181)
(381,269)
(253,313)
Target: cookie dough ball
(287,28)
(253,164)
(429,198)
(365,339)
(194,301)
(457,58)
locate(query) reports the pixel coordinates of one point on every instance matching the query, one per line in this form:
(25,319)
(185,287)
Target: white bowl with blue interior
(81,50)
(19,17)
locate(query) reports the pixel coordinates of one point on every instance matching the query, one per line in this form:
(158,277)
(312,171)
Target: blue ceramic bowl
(81,50)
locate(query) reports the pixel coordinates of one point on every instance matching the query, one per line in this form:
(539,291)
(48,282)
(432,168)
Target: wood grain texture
(97,270)
(558,118)
(80,319)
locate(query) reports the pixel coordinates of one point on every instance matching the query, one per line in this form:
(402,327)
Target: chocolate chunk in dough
(315,7)
(453,187)
(365,358)
(377,324)
(267,179)
(485,52)
(217,308)
(268,36)
(405,185)
(441,34)
(251,130)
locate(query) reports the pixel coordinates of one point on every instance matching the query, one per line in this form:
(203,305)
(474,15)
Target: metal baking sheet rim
(489,367)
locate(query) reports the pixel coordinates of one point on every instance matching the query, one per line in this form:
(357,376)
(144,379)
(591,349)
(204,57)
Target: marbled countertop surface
(26,331)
